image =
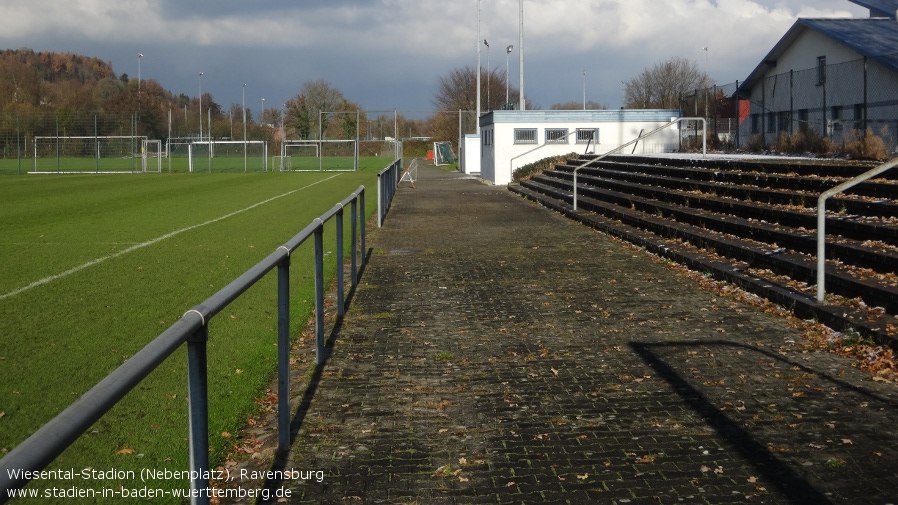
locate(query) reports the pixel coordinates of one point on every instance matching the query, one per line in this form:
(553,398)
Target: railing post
(319,293)
(361,219)
(340,254)
(284,355)
(353,225)
(380,200)
(198,400)
(821,219)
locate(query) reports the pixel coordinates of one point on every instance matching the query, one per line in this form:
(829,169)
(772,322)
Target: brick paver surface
(496,352)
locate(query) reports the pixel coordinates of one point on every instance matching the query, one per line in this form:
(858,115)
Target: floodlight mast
(243,107)
(488,71)
(507,53)
(139,57)
(201,105)
(521,56)
(477,119)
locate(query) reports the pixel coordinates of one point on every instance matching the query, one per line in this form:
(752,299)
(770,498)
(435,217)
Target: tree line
(42,84)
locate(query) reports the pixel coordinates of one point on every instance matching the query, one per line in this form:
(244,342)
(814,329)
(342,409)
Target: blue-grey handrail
(50,440)
(387,180)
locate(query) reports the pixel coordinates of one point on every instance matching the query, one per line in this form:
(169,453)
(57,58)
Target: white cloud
(381,37)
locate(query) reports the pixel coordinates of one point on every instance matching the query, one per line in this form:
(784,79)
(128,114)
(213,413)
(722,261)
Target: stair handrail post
(821,219)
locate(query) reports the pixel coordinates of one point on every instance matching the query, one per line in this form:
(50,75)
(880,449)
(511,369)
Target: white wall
(501,155)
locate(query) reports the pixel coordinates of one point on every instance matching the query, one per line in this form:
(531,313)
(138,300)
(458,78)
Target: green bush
(538,167)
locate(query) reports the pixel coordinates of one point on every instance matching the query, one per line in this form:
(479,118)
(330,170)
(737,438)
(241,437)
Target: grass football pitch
(96,266)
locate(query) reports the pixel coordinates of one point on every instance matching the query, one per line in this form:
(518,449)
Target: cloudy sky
(389,54)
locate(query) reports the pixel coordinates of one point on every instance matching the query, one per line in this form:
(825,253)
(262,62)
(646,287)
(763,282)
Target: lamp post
(507,53)
(487,44)
(521,55)
(139,57)
(201,105)
(262,114)
(243,108)
(477,119)
(584,90)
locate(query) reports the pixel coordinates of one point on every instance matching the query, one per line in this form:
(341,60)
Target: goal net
(318,155)
(227,156)
(97,154)
(442,153)
(151,156)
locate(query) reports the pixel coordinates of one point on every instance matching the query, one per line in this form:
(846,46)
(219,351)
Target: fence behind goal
(217,156)
(95,154)
(318,155)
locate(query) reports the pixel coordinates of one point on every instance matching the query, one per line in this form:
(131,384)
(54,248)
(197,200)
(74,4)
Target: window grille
(525,135)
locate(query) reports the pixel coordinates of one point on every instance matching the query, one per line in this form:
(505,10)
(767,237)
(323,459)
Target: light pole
(201,105)
(477,119)
(521,56)
(584,90)
(487,44)
(243,108)
(262,114)
(139,57)
(507,53)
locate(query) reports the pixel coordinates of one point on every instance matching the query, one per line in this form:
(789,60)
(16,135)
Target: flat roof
(579,116)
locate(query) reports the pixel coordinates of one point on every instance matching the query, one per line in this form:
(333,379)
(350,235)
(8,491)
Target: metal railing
(640,137)
(48,442)
(387,180)
(821,219)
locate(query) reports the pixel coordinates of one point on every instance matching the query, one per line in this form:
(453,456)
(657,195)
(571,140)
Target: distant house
(510,139)
(834,76)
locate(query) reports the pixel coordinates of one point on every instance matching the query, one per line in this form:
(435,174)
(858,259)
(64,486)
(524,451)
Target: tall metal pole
(488,72)
(507,53)
(201,106)
(477,119)
(521,56)
(262,114)
(584,90)
(139,57)
(243,107)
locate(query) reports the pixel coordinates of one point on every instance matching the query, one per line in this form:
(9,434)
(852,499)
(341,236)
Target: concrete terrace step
(496,352)
(704,206)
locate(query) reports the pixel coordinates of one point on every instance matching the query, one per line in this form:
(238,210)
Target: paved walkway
(496,352)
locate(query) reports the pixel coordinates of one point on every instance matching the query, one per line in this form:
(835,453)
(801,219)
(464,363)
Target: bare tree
(661,86)
(457,91)
(303,112)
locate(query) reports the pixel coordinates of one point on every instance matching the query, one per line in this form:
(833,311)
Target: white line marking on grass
(51,278)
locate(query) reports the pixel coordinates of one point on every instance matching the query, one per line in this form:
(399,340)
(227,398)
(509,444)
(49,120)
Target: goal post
(319,155)
(88,154)
(227,156)
(151,156)
(442,153)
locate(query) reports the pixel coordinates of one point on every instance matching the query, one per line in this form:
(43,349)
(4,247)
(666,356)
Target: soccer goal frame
(442,153)
(238,159)
(325,156)
(151,150)
(97,154)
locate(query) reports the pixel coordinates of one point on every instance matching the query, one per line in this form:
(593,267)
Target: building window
(587,135)
(859,116)
(784,119)
(556,136)
(525,135)
(771,122)
(821,69)
(756,123)
(487,137)
(803,119)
